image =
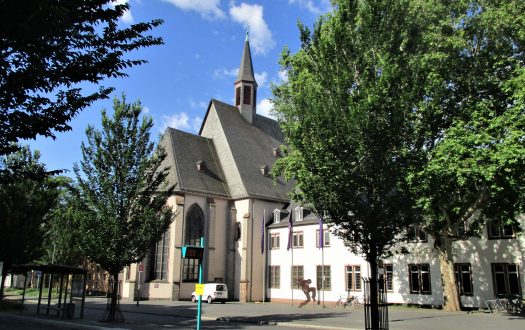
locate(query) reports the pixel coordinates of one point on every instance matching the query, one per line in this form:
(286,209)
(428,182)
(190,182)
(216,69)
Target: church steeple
(245,85)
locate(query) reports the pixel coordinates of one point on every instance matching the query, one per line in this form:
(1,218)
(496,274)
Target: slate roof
(246,67)
(184,150)
(252,148)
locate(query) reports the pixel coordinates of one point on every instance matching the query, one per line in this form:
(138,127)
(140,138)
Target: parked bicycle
(506,304)
(349,301)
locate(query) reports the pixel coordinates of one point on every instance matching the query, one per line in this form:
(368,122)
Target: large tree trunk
(451,300)
(113,313)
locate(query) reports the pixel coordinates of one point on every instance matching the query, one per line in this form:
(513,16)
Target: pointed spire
(246,67)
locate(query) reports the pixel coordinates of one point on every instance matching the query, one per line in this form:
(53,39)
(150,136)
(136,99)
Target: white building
(224,194)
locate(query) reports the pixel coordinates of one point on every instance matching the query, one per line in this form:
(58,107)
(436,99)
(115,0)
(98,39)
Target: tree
(61,236)
(25,205)
(49,48)
(122,192)
(347,115)
(472,128)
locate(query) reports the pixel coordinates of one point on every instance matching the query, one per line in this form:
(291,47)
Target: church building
(223,193)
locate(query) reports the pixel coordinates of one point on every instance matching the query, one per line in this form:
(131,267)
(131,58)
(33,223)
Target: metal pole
(138,284)
(322,269)
(199,306)
(264,257)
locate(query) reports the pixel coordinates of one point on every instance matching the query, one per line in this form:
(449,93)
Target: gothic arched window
(193,232)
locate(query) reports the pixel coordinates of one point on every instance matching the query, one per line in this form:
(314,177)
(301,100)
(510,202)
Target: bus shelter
(71,281)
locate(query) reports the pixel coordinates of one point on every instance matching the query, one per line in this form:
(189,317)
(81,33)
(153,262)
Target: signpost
(196,252)
(141,270)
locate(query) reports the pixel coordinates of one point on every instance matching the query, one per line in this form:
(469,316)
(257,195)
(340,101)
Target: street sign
(192,252)
(141,267)
(199,289)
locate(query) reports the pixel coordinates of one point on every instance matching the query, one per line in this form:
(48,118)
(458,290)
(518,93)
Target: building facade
(224,194)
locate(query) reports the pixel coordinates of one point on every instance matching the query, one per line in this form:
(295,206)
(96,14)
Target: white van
(213,292)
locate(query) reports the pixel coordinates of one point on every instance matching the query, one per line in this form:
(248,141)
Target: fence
(381,303)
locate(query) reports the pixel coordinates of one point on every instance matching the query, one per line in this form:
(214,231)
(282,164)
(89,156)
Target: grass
(30,292)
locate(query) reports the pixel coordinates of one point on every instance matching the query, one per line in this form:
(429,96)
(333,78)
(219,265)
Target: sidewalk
(233,315)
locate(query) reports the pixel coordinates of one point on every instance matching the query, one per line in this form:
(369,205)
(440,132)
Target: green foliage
(347,112)
(122,189)
(61,241)
(25,205)
(47,49)
(472,120)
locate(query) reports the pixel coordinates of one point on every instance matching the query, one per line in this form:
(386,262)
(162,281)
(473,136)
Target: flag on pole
(290,231)
(262,234)
(321,233)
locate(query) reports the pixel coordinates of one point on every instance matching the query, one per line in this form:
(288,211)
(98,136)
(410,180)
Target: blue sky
(202,51)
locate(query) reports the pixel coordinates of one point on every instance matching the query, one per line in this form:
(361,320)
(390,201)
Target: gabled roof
(246,67)
(183,151)
(251,147)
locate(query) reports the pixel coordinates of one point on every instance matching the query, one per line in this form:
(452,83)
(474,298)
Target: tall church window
(158,259)
(193,232)
(247,95)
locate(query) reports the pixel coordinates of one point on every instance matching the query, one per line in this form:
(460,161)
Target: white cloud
(208,9)
(283,75)
(200,104)
(145,110)
(315,7)
(261,78)
(126,16)
(223,72)
(265,108)
(182,121)
(251,16)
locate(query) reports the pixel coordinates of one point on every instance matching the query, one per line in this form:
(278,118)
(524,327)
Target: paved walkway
(156,314)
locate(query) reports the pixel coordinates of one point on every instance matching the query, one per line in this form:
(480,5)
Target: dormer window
(201,166)
(265,170)
(298,213)
(276,216)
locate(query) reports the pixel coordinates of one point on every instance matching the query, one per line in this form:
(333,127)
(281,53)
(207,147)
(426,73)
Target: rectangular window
(237,96)
(388,275)
(190,270)
(297,275)
(419,277)
(298,241)
(275,277)
(326,238)
(463,274)
(498,230)
(276,216)
(247,95)
(324,280)
(416,235)
(353,278)
(506,279)
(275,241)
(298,214)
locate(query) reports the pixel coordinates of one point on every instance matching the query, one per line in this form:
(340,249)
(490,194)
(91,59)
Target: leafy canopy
(47,49)
(122,189)
(346,112)
(25,206)
(472,120)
